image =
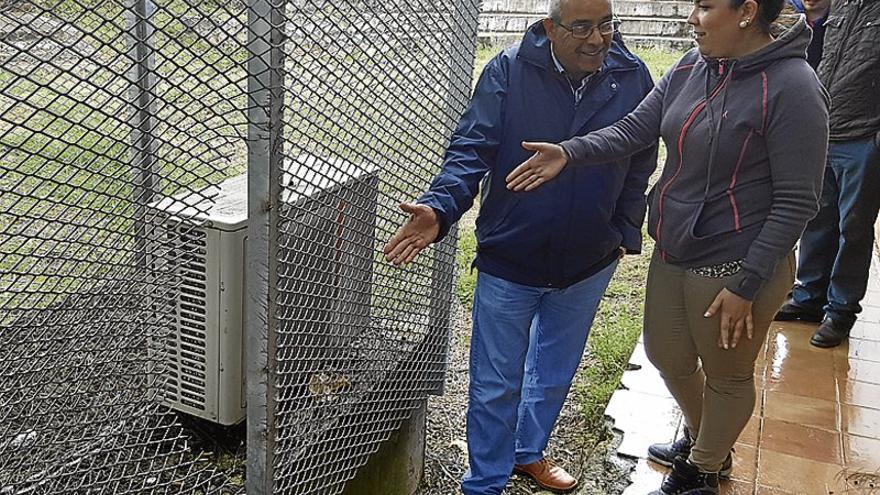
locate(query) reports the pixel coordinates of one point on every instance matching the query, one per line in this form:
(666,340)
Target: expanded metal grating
(374,89)
(107,107)
(104,107)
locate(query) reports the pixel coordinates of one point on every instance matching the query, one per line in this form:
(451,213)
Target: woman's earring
(744,23)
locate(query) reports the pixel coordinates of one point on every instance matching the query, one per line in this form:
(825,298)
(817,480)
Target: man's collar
(559,68)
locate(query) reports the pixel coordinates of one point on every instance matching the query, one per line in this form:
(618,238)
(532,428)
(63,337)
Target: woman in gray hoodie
(745,123)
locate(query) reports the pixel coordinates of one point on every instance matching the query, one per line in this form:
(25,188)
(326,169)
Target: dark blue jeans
(835,250)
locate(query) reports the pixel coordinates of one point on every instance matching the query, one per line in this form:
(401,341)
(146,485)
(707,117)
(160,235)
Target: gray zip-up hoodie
(746,141)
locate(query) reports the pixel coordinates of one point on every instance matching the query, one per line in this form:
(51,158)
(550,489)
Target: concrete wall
(654,22)
(397,467)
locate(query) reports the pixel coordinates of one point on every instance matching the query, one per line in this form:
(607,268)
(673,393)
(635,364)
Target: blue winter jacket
(571,227)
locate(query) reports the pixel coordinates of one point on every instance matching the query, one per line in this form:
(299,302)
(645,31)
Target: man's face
(580,57)
(818,7)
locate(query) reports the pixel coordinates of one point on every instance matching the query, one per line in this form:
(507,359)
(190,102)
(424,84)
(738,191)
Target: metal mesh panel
(119,123)
(370,92)
(105,107)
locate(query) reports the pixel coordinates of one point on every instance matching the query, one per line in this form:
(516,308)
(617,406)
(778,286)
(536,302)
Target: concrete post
(397,467)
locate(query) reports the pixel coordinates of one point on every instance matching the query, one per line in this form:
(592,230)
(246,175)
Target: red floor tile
(802,441)
(798,475)
(807,411)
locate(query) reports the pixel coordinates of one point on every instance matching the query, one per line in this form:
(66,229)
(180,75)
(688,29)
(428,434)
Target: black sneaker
(790,312)
(687,479)
(830,333)
(665,453)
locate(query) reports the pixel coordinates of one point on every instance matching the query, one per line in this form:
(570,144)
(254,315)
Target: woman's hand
(549,159)
(736,316)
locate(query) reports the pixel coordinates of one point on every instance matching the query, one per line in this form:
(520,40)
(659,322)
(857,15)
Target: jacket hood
(791,42)
(535,49)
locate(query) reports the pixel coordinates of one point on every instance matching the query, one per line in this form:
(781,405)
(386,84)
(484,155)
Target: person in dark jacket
(734,196)
(541,273)
(817,13)
(835,250)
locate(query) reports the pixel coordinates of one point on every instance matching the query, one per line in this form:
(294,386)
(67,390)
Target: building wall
(654,22)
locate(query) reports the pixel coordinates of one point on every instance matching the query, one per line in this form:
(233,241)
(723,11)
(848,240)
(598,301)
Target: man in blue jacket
(544,257)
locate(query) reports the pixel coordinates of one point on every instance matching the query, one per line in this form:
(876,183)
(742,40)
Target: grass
(658,61)
(467,278)
(612,339)
(619,321)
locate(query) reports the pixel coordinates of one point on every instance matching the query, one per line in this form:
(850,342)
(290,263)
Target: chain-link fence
(123,124)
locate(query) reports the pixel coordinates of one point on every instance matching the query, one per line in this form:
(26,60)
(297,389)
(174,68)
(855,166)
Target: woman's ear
(750,10)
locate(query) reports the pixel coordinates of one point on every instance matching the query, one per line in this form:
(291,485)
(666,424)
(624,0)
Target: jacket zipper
(592,84)
(682,134)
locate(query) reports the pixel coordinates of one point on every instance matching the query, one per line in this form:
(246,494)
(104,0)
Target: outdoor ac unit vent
(186,371)
(205,245)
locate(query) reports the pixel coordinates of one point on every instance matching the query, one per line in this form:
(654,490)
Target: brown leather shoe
(547,475)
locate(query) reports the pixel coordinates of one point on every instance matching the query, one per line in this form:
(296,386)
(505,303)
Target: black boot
(790,312)
(687,479)
(830,333)
(665,453)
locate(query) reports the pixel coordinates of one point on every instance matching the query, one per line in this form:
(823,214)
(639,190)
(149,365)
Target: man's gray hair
(554,9)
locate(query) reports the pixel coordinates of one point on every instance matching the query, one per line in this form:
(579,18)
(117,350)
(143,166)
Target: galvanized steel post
(265,103)
(142,80)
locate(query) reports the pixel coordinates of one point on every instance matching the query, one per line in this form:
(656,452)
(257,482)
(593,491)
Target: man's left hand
(736,317)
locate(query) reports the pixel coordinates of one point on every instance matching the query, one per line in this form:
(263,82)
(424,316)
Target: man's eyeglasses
(583,30)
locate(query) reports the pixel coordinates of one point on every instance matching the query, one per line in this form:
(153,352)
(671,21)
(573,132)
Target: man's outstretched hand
(549,159)
(420,230)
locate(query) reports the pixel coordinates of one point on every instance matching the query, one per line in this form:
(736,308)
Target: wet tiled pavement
(816,424)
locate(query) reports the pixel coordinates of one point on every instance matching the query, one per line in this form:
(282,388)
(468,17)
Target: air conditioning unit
(326,237)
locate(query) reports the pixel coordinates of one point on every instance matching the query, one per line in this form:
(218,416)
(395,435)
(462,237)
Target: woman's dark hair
(768,11)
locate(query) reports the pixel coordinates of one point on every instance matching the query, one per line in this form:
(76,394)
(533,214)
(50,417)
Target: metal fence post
(265,104)
(142,79)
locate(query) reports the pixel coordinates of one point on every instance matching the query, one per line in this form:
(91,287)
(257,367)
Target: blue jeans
(526,346)
(835,250)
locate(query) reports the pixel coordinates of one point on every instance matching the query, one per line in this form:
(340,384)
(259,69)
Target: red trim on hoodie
(742,154)
(684,128)
(764,101)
